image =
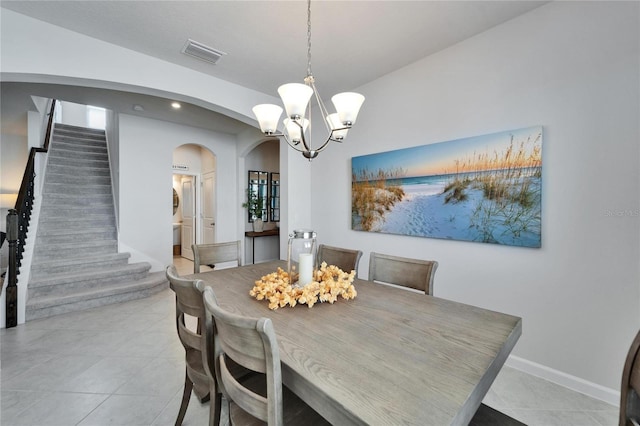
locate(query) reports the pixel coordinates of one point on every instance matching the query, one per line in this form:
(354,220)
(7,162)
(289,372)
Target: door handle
(213,223)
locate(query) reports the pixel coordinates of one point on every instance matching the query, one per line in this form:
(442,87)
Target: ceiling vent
(202,52)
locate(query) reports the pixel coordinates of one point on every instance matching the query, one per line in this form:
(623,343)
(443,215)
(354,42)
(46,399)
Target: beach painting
(483,188)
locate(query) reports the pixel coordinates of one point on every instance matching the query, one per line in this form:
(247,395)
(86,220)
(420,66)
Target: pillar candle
(306,268)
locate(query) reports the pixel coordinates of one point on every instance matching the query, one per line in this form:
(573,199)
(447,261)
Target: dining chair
(345,259)
(252,343)
(189,302)
(210,254)
(487,416)
(630,389)
(403,271)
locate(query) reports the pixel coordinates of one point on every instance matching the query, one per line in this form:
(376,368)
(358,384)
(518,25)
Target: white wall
(73,114)
(146,157)
(572,67)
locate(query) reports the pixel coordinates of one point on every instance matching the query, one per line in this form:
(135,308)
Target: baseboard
(608,395)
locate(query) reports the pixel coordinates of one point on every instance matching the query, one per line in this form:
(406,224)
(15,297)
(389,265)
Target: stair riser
(78,171)
(71,228)
(79,155)
(80,145)
(49,254)
(79,141)
(53,199)
(55,224)
(61,188)
(32,314)
(70,179)
(75,287)
(72,162)
(60,133)
(38,271)
(70,213)
(72,238)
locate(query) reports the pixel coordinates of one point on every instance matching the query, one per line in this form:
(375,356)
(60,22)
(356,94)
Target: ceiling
(353,42)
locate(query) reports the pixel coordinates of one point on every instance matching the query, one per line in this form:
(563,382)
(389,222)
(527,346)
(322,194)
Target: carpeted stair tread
(40,307)
(66,278)
(87,260)
(76,231)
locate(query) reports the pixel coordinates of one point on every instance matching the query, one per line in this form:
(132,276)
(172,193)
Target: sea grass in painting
(485,188)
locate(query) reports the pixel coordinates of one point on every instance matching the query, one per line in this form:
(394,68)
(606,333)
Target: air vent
(202,52)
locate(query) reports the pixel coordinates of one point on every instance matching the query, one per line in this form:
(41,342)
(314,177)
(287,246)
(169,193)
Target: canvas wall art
(484,188)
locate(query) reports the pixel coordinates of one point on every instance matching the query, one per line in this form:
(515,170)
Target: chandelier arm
(293,145)
(304,140)
(323,110)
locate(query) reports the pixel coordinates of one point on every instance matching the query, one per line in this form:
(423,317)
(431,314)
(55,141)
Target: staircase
(76,264)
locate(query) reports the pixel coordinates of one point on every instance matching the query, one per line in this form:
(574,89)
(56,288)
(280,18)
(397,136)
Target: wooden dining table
(388,357)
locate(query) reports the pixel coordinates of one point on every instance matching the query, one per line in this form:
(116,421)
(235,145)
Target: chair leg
(215,408)
(186,395)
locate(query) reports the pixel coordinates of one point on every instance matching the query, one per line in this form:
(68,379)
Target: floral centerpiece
(329,283)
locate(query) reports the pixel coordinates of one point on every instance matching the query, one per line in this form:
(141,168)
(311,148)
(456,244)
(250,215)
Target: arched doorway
(194,186)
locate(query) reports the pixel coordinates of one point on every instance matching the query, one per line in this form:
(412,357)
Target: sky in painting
(440,158)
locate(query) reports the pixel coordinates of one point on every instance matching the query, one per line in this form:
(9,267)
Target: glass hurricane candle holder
(301,256)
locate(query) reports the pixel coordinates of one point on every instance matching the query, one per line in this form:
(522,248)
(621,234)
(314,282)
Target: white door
(188,216)
(208,208)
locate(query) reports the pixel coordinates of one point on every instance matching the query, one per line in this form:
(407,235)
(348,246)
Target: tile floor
(123,365)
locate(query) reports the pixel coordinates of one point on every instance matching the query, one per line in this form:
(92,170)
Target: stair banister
(18,225)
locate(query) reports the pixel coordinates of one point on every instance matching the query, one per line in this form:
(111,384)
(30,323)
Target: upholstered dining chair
(251,343)
(189,302)
(210,254)
(630,389)
(345,259)
(403,271)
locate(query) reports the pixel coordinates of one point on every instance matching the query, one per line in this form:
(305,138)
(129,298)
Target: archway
(194,186)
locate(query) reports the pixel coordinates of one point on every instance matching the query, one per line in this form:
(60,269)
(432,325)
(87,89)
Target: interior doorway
(185,223)
(194,185)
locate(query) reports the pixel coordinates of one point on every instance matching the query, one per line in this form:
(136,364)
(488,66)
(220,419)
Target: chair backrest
(189,302)
(345,259)
(414,273)
(630,389)
(252,343)
(210,254)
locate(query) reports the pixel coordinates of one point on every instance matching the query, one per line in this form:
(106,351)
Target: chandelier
(296,98)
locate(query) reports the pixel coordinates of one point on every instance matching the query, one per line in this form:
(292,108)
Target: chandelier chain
(309,37)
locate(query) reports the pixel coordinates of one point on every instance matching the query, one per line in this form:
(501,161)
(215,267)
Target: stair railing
(18,225)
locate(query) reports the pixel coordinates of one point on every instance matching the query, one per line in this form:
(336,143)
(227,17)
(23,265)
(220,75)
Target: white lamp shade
(8,201)
(293,130)
(295,97)
(348,105)
(268,116)
(335,123)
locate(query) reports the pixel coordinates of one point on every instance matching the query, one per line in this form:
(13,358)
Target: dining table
(389,356)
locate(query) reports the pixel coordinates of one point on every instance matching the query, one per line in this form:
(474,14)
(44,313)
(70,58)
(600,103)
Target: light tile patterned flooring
(123,365)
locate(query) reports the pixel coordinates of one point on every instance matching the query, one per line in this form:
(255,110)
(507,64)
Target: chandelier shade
(295,97)
(335,124)
(347,105)
(297,101)
(268,117)
(295,128)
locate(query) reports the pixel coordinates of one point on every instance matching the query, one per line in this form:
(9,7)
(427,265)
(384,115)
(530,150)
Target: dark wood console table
(253,235)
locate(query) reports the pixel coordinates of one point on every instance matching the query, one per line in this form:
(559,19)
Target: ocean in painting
(424,212)
(492,205)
